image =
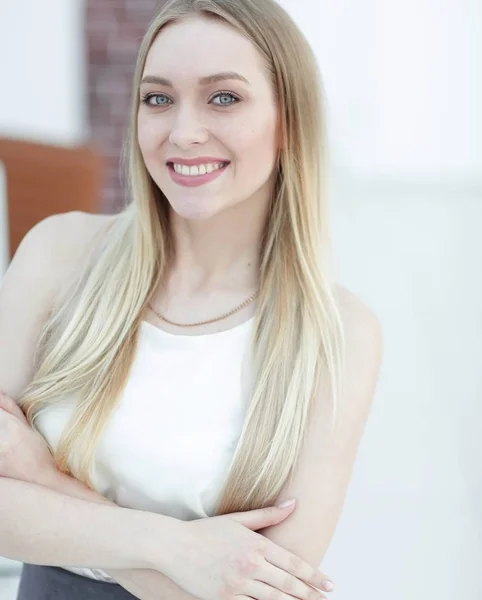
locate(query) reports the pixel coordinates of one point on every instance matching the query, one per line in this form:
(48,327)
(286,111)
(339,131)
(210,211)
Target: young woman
(195,364)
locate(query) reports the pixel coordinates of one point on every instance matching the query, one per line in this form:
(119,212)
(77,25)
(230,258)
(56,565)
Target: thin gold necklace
(228,314)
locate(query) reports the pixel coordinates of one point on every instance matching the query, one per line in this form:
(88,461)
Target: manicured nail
(287,503)
(328,585)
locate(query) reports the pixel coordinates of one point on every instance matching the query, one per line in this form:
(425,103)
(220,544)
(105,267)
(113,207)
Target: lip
(197,180)
(193,162)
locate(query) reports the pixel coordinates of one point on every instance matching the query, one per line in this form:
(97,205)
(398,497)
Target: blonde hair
(88,345)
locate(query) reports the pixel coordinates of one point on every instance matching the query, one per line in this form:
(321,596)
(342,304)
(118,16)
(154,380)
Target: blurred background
(403,83)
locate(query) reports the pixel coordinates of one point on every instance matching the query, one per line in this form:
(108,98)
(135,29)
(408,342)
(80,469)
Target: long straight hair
(88,345)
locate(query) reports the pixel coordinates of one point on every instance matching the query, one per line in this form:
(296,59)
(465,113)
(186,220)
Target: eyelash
(147,97)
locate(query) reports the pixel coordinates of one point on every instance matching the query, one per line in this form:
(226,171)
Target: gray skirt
(53,583)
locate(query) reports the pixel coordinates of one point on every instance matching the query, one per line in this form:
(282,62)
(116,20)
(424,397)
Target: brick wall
(114,30)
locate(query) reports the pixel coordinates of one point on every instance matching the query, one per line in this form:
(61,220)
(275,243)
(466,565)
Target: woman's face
(206,95)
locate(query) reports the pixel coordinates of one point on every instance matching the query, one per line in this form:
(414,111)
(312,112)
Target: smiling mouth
(197,170)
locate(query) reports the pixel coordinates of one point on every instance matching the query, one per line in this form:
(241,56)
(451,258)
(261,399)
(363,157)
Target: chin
(200,211)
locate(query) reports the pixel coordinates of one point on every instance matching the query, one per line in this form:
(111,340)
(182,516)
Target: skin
(217,230)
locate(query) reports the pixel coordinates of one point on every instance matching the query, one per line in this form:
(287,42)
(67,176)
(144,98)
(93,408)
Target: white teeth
(197,170)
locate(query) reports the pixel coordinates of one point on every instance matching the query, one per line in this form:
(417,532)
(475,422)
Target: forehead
(200,46)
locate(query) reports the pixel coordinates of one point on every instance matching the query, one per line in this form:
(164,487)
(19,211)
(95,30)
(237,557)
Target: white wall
(42,70)
(406,129)
(403,85)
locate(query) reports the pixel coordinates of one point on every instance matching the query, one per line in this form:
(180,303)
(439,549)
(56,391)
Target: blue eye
(165,101)
(147,100)
(228,95)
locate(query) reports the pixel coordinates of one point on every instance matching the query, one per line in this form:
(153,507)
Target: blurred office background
(403,83)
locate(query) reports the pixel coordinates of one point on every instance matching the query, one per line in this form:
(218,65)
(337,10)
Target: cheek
(150,135)
(256,147)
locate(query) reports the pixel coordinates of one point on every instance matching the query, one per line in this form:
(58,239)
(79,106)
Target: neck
(222,252)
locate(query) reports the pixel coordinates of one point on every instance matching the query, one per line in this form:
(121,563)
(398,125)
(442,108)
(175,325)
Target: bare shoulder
(47,259)
(363,346)
(65,236)
(57,245)
(359,320)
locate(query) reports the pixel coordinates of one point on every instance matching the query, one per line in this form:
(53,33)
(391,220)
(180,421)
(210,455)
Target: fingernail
(328,585)
(287,503)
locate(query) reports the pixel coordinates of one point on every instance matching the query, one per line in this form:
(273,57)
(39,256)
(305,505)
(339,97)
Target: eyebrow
(203,81)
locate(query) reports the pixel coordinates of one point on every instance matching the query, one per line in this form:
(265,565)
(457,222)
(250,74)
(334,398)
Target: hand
(24,454)
(223,558)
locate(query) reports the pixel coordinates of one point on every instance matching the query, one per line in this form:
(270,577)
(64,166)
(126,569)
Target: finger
(12,415)
(287,583)
(10,406)
(260,518)
(281,558)
(263,591)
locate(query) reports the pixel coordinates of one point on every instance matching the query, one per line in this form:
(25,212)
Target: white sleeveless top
(169,444)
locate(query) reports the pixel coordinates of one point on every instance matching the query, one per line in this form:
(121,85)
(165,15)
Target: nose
(187,130)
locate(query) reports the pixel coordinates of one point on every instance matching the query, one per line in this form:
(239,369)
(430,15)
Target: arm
(143,583)
(48,257)
(325,466)
(42,526)
(26,457)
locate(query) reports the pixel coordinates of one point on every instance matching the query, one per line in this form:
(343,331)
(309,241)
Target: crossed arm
(143,583)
